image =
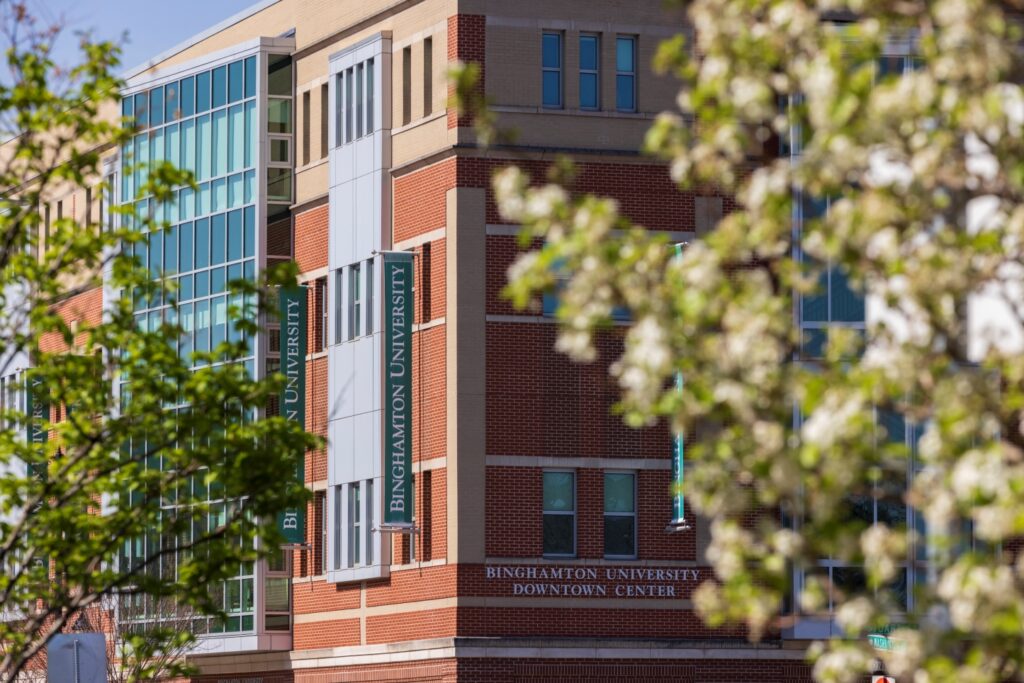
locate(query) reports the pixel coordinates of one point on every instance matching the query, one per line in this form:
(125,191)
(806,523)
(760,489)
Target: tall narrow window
(620,514)
(425,313)
(625,73)
(406,85)
(305,127)
(336,559)
(339,110)
(589,75)
(369,521)
(355,296)
(369,97)
(359,100)
(369,296)
(320,508)
(355,525)
(320,315)
(428,76)
(560,513)
(348,106)
(338,299)
(551,67)
(324,118)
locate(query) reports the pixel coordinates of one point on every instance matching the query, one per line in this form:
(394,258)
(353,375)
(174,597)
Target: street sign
(882,679)
(76,658)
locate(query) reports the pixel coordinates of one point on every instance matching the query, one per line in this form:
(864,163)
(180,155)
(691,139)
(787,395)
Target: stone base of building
(512,660)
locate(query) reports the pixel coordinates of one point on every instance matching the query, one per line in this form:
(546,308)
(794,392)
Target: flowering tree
(849,336)
(126,464)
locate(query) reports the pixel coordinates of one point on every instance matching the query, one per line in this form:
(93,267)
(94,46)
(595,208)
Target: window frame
(559,70)
(355,301)
(595,72)
(563,513)
(632,515)
(634,42)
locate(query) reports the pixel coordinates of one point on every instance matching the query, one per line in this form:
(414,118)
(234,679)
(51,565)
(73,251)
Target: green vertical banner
(398,311)
(37,412)
(292,522)
(678,522)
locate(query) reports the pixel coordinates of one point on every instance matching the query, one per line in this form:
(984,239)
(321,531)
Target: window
(338,298)
(369,296)
(306,104)
(324,118)
(425,312)
(625,73)
(590,56)
(560,514)
(619,514)
(406,85)
(355,525)
(320,508)
(336,559)
(428,76)
(369,96)
(551,70)
(355,301)
(320,315)
(339,109)
(348,106)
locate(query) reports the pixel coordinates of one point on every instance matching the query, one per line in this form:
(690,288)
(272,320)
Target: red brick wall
(85,308)
(311,230)
(420,203)
(467,36)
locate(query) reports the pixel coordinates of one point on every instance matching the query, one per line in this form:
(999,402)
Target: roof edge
(198,37)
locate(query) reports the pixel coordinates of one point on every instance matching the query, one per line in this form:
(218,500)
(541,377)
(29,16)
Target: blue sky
(152,26)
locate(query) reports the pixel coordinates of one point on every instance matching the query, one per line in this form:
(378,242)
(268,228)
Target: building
(533,542)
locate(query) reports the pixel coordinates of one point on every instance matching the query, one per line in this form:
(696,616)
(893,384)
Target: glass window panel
(186,204)
(220,142)
(185,249)
(128,107)
(250,77)
(204,200)
(359,100)
(618,492)
(202,92)
(187,87)
(279,75)
(552,51)
(156,146)
(624,100)
(202,326)
(185,291)
(202,243)
(558,491)
(188,145)
(171,110)
(204,143)
(250,231)
(219,192)
(348,105)
(156,106)
(369,96)
(142,161)
(279,185)
(624,54)
(250,133)
(234,235)
(202,283)
(156,253)
(849,580)
(219,315)
(217,280)
(279,150)
(171,249)
(619,535)
(250,270)
(236,148)
(235,191)
(847,305)
(236,85)
(172,150)
(250,186)
(279,116)
(552,89)
(220,87)
(558,534)
(217,239)
(588,91)
(142,110)
(588,53)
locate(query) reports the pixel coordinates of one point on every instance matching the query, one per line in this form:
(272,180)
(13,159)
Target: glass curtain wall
(206,123)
